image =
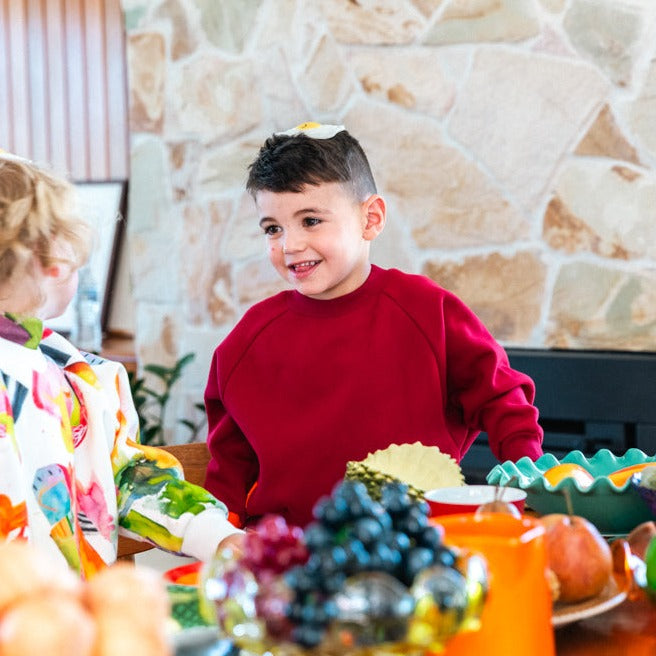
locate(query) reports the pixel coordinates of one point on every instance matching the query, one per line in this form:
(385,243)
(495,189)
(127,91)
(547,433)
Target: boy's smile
(301,269)
(318,239)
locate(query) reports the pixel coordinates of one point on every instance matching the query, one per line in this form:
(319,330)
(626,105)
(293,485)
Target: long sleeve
(493,396)
(233,466)
(154,502)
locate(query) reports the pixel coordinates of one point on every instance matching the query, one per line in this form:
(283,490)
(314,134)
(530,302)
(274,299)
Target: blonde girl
(72,473)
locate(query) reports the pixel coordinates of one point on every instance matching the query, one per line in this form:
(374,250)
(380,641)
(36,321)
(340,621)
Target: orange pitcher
(516,618)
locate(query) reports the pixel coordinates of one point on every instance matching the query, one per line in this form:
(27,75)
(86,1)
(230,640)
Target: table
(629,629)
(119,347)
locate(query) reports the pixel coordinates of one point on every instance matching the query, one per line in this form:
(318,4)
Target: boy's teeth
(305,265)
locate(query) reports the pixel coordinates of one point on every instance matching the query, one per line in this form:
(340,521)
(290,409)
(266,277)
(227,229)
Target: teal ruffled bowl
(613,510)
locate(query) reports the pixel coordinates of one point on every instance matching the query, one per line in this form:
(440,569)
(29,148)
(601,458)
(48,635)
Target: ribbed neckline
(340,305)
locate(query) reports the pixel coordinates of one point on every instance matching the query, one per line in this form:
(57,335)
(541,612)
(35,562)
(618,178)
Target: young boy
(355,357)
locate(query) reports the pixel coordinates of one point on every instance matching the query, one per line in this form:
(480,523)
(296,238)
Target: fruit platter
(365,577)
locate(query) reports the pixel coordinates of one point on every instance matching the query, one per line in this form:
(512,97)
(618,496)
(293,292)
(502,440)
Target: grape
(272,528)
(301,579)
(351,490)
(328,561)
(381,515)
(412,522)
(445,556)
(383,558)
(273,547)
(319,613)
(367,530)
(416,560)
(271,605)
(334,583)
(332,512)
(317,536)
(398,541)
(430,537)
(357,557)
(361,507)
(308,635)
(395,498)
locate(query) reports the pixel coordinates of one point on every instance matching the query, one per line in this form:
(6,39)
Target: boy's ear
(375,215)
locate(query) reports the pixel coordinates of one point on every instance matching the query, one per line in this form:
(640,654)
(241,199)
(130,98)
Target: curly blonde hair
(37,212)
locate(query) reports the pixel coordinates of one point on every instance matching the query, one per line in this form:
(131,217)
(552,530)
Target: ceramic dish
(185,574)
(608,598)
(613,509)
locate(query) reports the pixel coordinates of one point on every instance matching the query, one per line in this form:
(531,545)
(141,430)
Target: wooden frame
(103,205)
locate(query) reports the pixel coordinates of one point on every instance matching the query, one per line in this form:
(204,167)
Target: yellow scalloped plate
(423,467)
(614,510)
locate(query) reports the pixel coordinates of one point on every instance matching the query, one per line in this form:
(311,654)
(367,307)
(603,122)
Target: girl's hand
(234,542)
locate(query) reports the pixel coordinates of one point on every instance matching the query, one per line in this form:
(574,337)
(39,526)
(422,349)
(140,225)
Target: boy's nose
(292,243)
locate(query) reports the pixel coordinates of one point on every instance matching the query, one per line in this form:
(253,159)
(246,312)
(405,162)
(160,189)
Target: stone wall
(514,141)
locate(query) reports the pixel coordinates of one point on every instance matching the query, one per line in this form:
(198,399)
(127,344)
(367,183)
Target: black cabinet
(588,400)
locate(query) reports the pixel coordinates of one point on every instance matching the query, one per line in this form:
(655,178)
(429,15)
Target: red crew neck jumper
(300,386)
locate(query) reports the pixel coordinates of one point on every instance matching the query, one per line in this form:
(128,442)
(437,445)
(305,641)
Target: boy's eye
(310,221)
(271,229)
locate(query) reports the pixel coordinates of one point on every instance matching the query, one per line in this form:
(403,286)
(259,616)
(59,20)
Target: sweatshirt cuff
(520,445)
(205,531)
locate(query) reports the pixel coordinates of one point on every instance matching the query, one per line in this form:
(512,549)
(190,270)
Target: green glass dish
(614,510)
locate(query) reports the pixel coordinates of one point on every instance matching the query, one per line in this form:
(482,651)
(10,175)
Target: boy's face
(318,239)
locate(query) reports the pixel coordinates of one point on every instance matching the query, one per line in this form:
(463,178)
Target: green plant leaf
(159,370)
(151,404)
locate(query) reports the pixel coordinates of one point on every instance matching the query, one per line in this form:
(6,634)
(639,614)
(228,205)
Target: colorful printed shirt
(72,474)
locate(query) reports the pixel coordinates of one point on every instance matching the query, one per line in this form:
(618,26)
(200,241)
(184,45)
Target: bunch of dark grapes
(351,534)
(411,519)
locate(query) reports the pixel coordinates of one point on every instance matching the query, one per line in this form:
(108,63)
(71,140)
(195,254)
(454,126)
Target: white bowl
(467,498)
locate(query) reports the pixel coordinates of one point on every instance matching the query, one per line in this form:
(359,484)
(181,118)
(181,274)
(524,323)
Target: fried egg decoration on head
(313,130)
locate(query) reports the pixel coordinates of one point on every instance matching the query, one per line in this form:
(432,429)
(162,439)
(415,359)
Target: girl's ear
(375,215)
(57,271)
(53,271)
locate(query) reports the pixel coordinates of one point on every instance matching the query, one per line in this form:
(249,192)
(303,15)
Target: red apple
(578,555)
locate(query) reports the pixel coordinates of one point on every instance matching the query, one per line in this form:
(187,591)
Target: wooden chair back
(193,458)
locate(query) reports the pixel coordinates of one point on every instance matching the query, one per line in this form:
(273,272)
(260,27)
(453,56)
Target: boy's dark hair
(288,163)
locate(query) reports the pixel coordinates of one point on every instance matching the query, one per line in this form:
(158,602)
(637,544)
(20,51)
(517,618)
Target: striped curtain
(63,86)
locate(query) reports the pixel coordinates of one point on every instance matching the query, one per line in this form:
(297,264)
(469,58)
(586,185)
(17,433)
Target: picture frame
(103,206)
